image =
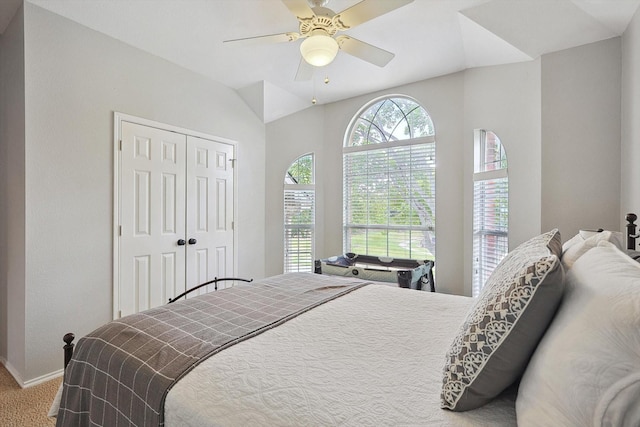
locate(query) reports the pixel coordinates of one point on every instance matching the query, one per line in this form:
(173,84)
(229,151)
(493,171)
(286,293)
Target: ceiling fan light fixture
(319,49)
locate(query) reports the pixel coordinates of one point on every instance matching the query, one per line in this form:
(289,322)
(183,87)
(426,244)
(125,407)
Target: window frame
(387,145)
(495,178)
(308,189)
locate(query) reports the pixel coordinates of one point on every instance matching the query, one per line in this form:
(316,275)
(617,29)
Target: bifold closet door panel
(153,217)
(209,211)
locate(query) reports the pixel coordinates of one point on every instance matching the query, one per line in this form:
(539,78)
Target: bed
(544,344)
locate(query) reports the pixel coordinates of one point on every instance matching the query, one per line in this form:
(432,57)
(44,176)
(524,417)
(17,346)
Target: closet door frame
(118,118)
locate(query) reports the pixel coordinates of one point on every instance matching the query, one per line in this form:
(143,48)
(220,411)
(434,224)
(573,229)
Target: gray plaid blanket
(121,373)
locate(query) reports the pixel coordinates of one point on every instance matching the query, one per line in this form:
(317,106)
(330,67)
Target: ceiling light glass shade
(319,49)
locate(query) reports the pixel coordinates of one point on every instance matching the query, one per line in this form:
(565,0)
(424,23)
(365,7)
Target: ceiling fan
(319,25)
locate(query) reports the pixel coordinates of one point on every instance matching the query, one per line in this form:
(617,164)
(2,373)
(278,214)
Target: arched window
(299,215)
(490,206)
(389,181)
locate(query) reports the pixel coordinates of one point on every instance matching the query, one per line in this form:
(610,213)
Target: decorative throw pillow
(586,369)
(502,329)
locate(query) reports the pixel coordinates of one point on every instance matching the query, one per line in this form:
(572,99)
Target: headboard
(631,231)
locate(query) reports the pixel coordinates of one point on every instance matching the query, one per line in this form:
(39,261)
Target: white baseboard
(30,383)
(44,378)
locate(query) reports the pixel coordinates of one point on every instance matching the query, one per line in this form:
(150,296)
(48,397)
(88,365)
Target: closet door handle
(192,241)
(181,242)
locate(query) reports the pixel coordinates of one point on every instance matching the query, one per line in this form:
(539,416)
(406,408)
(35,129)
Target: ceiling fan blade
(299,8)
(272,38)
(364,51)
(305,71)
(367,10)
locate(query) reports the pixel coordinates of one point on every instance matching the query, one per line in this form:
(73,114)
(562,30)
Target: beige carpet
(25,407)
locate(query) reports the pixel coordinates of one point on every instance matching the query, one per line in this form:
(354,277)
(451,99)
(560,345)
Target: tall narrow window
(490,206)
(299,215)
(389,181)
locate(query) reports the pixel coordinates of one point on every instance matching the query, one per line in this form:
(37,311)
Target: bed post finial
(631,230)
(68,347)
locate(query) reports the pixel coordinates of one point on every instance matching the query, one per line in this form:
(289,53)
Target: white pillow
(578,238)
(618,238)
(586,369)
(617,407)
(585,240)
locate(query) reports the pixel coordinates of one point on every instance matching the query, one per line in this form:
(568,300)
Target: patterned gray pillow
(502,329)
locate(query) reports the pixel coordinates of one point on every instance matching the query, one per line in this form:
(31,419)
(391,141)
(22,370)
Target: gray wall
(12,197)
(630,168)
(74,79)
(505,100)
(581,113)
(443,99)
(558,117)
(289,138)
(60,88)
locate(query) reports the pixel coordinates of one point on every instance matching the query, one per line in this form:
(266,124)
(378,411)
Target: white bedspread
(371,358)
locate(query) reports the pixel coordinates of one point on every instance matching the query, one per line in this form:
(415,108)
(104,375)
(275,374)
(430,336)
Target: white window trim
(386,145)
(392,144)
(502,173)
(312,226)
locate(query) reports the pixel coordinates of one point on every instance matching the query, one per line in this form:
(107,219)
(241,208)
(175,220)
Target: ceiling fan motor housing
(324,19)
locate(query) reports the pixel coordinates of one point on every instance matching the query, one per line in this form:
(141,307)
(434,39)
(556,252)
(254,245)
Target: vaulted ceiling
(428,37)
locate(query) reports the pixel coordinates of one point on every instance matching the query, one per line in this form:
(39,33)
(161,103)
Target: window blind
(490,224)
(299,220)
(389,200)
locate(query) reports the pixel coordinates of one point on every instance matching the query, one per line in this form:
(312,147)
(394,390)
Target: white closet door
(210,212)
(152,262)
